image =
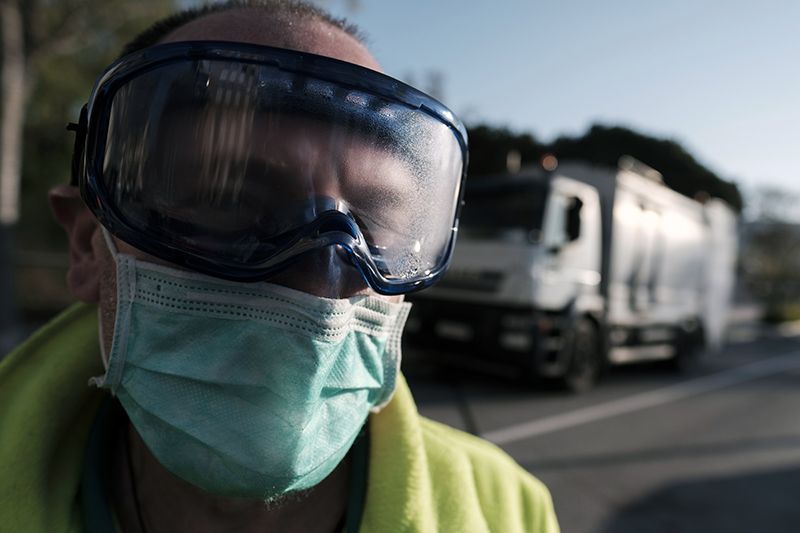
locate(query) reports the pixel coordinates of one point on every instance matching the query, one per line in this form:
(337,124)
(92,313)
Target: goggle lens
(235,159)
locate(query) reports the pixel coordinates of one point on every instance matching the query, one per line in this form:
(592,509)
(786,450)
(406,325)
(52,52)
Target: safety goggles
(234,160)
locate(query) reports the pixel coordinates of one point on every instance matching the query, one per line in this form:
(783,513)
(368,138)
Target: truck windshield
(503,209)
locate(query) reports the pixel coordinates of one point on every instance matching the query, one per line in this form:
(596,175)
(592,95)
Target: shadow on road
(763,501)
(490,384)
(484,383)
(695,451)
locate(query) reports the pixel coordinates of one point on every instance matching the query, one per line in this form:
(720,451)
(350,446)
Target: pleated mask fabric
(247,389)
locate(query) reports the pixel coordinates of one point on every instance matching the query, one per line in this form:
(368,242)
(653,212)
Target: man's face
(323,273)
(266,169)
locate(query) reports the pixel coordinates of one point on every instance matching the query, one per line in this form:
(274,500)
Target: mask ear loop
(103,351)
(110,243)
(112,249)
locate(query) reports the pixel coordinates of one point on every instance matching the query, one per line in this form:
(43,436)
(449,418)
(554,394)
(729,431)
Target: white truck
(560,273)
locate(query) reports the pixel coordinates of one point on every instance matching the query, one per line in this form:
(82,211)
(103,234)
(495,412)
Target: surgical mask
(247,390)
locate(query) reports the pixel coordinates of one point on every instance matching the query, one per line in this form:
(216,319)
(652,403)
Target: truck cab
(557,274)
(528,254)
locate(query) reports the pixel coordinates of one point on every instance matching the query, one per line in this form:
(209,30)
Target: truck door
(572,244)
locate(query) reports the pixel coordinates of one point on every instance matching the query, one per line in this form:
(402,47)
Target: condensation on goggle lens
(216,165)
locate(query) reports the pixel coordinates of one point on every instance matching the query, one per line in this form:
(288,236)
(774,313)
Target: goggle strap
(79,147)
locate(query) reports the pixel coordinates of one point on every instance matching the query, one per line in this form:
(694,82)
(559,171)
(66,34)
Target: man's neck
(150,499)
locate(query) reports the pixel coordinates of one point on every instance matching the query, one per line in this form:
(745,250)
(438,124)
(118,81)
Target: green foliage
(770,204)
(771,266)
(69,44)
(603,145)
(777,313)
(489,147)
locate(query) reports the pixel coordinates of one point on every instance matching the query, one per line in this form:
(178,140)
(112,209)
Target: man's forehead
(305,34)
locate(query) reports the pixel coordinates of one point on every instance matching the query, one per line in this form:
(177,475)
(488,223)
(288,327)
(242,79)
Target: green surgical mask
(247,389)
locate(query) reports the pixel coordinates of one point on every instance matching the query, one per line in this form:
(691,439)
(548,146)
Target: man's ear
(83,276)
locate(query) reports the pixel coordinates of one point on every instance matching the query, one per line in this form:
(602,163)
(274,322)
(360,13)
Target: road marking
(646,400)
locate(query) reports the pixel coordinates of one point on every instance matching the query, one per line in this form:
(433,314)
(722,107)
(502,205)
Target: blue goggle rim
(91,138)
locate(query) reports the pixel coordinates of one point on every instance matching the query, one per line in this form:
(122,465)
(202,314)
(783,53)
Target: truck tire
(582,351)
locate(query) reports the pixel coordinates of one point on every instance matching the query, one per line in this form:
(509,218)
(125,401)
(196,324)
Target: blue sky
(722,78)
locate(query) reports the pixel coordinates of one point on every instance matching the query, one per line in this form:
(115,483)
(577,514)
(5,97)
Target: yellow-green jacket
(422,477)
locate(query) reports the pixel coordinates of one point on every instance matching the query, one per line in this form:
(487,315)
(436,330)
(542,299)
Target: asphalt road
(649,450)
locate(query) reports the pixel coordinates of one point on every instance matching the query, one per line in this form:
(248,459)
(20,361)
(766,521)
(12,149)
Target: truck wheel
(583,354)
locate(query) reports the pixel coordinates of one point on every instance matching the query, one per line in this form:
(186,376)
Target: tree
(768,203)
(489,148)
(770,257)
(14,87)
(602,145)
(52,51)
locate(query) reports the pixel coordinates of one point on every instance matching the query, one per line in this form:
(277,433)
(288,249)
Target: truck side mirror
(574,219)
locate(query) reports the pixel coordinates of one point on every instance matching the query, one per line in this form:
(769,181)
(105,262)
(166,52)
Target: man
(246,214)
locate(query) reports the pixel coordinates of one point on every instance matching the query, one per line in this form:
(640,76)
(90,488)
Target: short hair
(298,9)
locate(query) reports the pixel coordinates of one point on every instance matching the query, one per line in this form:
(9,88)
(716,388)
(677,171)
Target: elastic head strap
(79,148)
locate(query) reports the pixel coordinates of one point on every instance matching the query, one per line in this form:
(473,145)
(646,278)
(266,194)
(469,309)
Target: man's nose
(325,272)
